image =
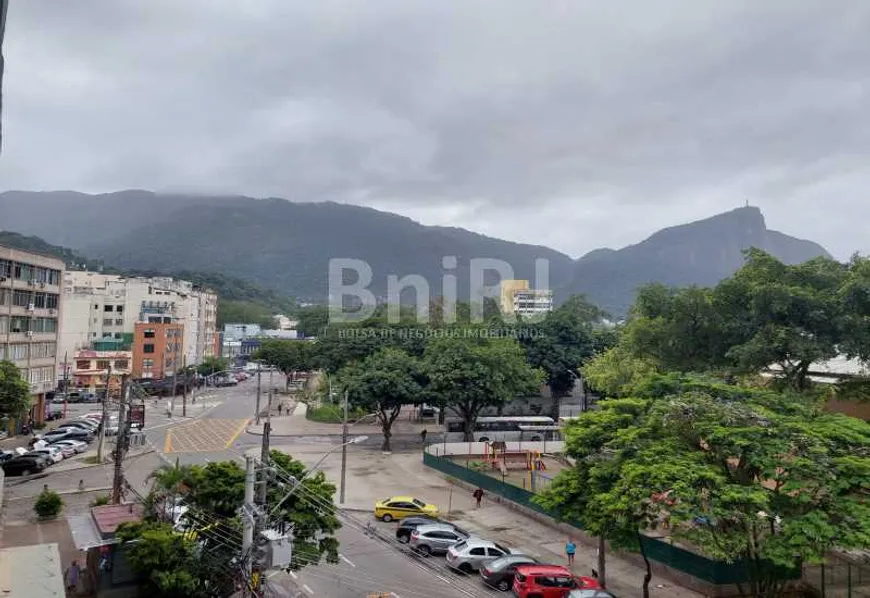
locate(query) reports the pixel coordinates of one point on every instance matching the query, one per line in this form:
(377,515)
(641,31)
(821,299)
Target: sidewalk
(295,423)
(374,476)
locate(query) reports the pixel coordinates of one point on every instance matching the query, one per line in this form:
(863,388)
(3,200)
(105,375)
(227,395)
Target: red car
(548,581)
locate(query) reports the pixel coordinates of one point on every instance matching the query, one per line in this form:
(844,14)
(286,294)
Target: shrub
(48,504)
(101,500)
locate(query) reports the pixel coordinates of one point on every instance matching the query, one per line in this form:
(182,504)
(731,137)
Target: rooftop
(31,572)
(109,517)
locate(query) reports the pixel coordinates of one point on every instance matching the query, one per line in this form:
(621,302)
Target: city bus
(508,428)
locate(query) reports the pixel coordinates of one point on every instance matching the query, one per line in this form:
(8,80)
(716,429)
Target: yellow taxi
(398,507)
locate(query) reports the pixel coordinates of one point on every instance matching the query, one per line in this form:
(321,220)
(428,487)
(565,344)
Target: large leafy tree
(382,384)
(744,475)
(289,356)
(468,372)
(172,565)
(561,342)
(14,391)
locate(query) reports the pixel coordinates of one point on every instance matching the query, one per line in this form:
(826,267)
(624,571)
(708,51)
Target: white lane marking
(394,595)
(444,579)
(293,575)
(307,589)
(346,560)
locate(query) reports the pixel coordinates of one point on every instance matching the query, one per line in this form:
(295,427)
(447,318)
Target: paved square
(204,435)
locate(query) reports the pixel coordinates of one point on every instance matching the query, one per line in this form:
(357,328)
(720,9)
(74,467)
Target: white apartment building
(30,319)
(532,302)
(108,306)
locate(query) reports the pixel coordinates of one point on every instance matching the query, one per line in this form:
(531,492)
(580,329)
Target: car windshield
(419,503)
(459,545)
(502,548)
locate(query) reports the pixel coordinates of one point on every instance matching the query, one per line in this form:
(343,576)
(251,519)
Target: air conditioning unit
(30,307)
(29,334)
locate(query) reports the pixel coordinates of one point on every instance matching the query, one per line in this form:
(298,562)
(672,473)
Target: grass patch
(92,460)
(332,414)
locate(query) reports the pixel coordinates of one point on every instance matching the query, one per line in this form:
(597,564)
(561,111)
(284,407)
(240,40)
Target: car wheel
(466,568)
(484,439)
(403,538)
(424,550)
(503,585)
(386,518)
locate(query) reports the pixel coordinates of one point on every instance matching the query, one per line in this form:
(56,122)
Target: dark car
(409,524)
(499,573)
(24,465)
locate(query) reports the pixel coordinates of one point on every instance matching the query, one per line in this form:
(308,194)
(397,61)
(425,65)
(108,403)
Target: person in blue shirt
(570,550)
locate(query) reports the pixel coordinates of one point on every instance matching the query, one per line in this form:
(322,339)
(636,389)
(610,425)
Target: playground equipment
(500,458)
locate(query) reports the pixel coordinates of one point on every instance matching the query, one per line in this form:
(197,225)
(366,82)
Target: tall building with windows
(102,307)
(158,348)
(517,298)
(30,319)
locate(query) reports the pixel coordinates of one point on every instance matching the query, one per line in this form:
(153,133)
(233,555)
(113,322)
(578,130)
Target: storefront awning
(85,533)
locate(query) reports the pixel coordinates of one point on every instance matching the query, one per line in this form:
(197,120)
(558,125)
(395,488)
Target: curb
(64,493)
(354,509)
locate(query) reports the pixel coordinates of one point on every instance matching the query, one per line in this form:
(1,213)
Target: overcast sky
(571,123)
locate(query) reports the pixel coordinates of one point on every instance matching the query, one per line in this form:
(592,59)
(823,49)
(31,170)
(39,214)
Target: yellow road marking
(167,445)
(240,429)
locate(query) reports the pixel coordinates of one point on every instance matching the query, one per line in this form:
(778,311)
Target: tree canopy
(14,391)
(753,476)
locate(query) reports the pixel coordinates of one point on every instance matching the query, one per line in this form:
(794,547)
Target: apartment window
(5,269)
(42,350)
(121,364)
(119,321)
(149,333)
(19,324)
(54,277)
(107,321)
(22,298)
(4,324)
(51,301)
(42,374)
(107,308)
(120,309)
(117,335)
(44,325)
(17,352)
(23,271)
(4,297)
(148,363)
(102,364)
(148,348)
(83,364)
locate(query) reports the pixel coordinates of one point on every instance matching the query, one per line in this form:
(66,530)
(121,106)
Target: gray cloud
(575,124)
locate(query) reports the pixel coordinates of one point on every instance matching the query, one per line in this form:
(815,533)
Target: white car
(55,455)
(97,417)
(77,445)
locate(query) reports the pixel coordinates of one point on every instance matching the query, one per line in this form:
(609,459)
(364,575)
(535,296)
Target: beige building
(103,306)
(30,319)
(518,299)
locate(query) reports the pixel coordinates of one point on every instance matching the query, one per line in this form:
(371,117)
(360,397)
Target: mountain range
(287,246)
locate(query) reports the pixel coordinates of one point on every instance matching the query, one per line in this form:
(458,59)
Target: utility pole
(184,386)
(121,444)
(264,453)
(249,515)
(602,561)
(65,382)
(105,421)
(343,452)
(259,380)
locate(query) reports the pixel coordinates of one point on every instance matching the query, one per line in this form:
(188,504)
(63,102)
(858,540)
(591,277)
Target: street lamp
(312,470)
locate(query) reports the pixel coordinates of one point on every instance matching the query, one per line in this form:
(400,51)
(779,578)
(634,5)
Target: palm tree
(168,483)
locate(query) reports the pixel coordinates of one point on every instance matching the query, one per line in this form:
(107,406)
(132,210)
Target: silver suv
(472,554)
(435,538)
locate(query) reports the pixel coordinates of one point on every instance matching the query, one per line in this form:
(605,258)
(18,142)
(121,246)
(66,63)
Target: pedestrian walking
(280,408)
(478,496)
(423,436)
(73,575)
(570,550)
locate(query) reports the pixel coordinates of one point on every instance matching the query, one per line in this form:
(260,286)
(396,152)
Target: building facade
(93,369)
(30,319)
(158,348)
(518,299)
(103,307)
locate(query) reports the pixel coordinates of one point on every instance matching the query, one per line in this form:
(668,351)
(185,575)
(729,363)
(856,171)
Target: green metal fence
(700,567)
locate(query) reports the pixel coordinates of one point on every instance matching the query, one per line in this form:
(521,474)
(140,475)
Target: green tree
(743,475)
(211,365)
(560,343)
(171,565)
(289,356)
(14,391)
(312,320)
(470,372)
(48,504)
(382,384)
(615,372)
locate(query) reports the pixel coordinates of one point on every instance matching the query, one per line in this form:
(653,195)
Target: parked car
(472,554)
(52,454)
(549,581)
(499,573)
(65,449)
(24,465)
(77,445)
(83,421)
(6,455)
(68,434)
(435,538)
(590,593)
(78,425)
(409,524)
(398,507)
